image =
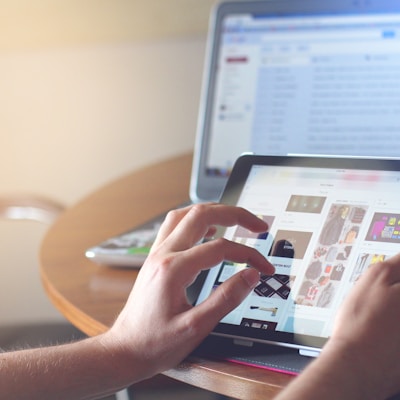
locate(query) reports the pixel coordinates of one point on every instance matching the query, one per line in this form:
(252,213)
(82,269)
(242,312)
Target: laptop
(281,77)
(329,219)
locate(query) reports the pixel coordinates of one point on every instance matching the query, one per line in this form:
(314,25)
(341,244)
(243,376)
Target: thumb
(226,298)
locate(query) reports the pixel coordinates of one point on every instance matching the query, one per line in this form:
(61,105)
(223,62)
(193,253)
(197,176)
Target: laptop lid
(329,219)
(297,77)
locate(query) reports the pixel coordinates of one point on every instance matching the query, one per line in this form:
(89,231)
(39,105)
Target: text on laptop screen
(306,85)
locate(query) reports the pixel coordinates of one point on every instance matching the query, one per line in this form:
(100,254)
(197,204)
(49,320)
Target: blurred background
(90,90)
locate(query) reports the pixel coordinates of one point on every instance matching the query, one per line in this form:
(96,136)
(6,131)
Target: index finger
(172,219)
(199,218)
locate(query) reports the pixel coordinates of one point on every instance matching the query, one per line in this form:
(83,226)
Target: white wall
(71,120)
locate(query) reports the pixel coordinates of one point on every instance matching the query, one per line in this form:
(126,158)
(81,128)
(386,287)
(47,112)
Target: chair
(29,207)
(43,210)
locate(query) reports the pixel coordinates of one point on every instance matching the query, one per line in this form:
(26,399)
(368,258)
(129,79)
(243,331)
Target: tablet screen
(329,219)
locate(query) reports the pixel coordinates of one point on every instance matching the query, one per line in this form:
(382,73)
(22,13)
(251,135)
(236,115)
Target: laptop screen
(300,77)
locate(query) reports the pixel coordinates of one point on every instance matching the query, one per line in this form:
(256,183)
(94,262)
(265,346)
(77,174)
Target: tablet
(329,219)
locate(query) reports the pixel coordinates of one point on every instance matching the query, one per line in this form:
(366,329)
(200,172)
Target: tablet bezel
(231,195)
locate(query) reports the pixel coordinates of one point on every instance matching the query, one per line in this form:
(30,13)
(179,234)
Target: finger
(207,255)
(199,218)
(388,270)
(212,230)
(170,222)
(223,300)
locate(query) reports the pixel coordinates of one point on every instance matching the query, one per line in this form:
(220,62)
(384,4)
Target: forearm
(335,374)
(80,370)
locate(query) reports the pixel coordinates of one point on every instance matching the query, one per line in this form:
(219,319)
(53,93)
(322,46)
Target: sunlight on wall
(82,103)
(73,119)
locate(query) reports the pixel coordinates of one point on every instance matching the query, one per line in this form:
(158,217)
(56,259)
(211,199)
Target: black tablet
(329,219)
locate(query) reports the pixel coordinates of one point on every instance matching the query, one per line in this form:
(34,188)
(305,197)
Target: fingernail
(251,276)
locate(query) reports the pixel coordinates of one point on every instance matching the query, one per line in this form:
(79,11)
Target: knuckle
(221,242)
(225,294)
(229,298)
(384,271)
(220,247)
(199,209)
(163,263)
(193,326)
(173,216)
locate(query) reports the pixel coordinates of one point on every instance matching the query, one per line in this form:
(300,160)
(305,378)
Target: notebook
(287,77)
(328,219)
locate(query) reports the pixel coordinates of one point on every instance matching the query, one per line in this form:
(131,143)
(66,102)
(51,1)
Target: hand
(367,330)
(361,359)
(158,327)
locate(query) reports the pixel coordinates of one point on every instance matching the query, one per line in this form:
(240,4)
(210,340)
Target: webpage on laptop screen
(306,85)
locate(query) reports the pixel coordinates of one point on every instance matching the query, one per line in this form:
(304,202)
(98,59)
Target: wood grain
(91,296)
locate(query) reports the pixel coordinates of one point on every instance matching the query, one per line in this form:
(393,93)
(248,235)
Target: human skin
(361,359)
(157,327)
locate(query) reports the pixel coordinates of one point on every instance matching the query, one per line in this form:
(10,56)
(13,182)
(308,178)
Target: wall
(73,118)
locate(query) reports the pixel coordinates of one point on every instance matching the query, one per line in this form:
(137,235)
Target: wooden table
(91,296)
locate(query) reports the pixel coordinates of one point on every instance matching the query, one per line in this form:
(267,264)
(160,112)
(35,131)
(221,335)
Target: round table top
(91,296)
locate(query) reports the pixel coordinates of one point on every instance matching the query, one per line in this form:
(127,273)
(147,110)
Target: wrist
(337,373)
(127,364)
(353,369)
